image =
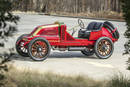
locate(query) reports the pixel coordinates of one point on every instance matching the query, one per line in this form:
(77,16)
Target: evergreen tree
(126,14)
(8,21)
(6,17)
(6,30)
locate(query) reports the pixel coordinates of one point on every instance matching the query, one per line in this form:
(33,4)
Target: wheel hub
(39,49)
(104,48)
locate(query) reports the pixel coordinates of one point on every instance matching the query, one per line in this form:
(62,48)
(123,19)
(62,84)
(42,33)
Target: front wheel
(39,49)
(104,47)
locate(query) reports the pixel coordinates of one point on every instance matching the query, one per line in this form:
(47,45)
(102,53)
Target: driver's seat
(93,26)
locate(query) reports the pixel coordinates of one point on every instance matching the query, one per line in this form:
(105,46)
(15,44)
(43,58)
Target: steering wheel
(81,23)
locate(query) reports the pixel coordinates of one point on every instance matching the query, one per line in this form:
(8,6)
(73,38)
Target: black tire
(88,52)
(104,48)
(18,47)
(111,27)
(35,49)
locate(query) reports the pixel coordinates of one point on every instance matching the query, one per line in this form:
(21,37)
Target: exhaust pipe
(76,48)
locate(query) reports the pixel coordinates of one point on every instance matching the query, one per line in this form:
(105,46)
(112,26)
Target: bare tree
(70,6)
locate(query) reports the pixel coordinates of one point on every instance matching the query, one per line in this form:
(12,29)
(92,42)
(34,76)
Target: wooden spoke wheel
(104,47)
(39,49)
(88,52)
(20,48)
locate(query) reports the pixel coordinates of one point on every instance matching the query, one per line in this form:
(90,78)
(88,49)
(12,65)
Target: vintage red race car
(97,38)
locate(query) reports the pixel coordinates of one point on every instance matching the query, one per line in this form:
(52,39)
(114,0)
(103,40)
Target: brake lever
(73,32)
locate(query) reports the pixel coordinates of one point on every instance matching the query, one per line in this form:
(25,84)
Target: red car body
(57,36)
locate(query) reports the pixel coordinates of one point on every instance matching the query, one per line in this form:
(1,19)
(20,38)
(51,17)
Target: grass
(128,62)
(33,79)
(118,81)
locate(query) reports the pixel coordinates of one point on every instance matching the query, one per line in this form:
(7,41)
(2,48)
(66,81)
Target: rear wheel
(39,49)
(20,48)
(104,47)
(88,52)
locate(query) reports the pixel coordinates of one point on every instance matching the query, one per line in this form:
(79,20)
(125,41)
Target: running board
(76,48)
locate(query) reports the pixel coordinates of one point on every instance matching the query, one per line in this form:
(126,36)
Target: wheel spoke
(22,47)
(39,45)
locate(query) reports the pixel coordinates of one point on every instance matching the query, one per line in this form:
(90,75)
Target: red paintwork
(59,37)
